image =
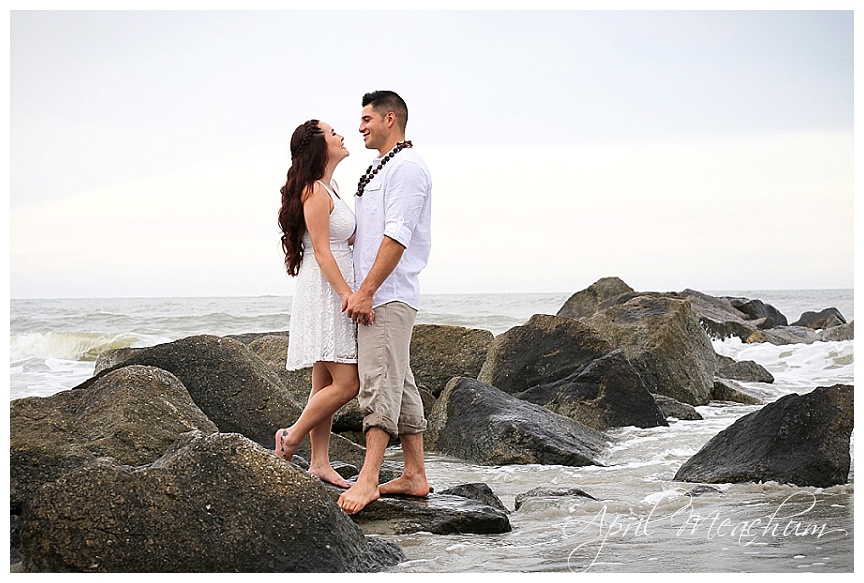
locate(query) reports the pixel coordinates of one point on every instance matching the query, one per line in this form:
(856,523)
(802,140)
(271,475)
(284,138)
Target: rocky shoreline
(161,461)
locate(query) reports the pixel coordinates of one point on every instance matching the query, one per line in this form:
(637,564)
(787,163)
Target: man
(391,247)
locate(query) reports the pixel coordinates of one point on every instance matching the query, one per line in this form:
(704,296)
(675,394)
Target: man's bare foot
(284,448)
(355,498)
(329,475)
(417,486)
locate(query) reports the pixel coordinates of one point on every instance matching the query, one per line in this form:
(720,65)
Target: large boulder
(827,318)
(133,415)
(479,423)
(233,386)
(217,503)
(607,393)
(844,332)
(543,350)
(584,303)
(757,310)
(798,439)
(439,353)
(662,338)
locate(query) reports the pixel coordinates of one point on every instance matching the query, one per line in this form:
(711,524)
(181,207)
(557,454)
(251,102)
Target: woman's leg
(333,385)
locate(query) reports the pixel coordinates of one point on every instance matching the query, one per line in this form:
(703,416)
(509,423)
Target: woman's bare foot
(417,486)
(355,498)
(329,475)
(284,447)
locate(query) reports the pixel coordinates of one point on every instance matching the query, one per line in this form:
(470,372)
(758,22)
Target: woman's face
(336,151)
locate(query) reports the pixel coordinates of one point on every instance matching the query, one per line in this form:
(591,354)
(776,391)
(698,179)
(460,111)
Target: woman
(317,231)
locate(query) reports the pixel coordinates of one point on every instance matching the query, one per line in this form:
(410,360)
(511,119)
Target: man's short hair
(386,101)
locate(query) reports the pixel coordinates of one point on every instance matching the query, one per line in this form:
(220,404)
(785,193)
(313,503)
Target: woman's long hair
(308,160)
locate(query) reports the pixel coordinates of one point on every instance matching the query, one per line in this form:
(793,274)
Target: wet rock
(585,303)
(728,390)
(607,393)
(673,409)
(436,513)
(216,503)
(479,423)
(439,353)
(478,491)
(132,414)
(798,439)
(827,318)
(784,335)
(743,370)
(758,310)
(839,333)
(544,492)
(543,350)
(662,338)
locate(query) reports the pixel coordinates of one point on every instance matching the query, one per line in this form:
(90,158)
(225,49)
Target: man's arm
(359,305)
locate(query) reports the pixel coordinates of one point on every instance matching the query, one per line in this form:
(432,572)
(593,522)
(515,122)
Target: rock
(544,492)
(111,358)
(839,333)
(827,318)
(479,492)
(543,350)
(271,348)
(216,504)
(744,370)
(798,439)
(132,414)
(439,353)
(673,409)
(436,513)
(728,390)
(250,337)
(585,302)
(607,393)
(783,335)
(662,338)
(481,424)
(757,310)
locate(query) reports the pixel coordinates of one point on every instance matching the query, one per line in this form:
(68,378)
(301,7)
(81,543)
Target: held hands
(359,308)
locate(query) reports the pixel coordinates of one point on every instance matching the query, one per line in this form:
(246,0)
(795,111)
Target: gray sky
(706,149)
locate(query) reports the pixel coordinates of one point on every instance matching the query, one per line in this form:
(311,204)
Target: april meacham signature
(788,519)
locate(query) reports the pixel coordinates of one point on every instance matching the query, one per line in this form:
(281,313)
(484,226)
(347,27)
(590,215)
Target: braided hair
(308,161)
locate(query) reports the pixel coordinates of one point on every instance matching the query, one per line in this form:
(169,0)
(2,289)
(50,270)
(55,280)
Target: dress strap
(332,192)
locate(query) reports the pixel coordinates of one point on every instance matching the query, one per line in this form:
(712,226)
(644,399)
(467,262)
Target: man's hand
(359,308)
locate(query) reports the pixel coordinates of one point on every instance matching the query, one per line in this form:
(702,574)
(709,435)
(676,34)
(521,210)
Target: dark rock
(183,514)
(662,338)
(234,387)
(758,310)
(543,350)
(250,337)
(436,513)
(479,492)
(133,415)
(585,302)
(798,439)
(839,333)
(544,492)
(783,335)
(439,353)
(607,393)
(820,320)
(482,424)
(728,390)
(743,370)
(718,316)
(673,409)
(701,490)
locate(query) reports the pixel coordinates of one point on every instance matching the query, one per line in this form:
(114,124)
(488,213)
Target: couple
(351,333)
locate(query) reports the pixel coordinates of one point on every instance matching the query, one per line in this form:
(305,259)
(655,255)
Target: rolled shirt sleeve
(407,191)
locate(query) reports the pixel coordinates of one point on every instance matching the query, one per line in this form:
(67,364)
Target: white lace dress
(319,330)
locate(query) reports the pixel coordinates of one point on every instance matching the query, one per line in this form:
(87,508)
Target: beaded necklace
(370,174)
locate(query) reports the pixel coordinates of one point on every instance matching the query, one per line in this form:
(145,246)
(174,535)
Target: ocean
(641,520)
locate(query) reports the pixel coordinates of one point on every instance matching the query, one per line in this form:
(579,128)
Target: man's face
(374,128)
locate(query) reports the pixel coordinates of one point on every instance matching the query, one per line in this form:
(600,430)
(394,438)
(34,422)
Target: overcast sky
(710,150)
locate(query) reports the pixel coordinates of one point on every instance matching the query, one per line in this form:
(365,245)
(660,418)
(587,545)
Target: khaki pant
(388,397)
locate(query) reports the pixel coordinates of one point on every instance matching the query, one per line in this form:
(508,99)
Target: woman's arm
(316,210)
